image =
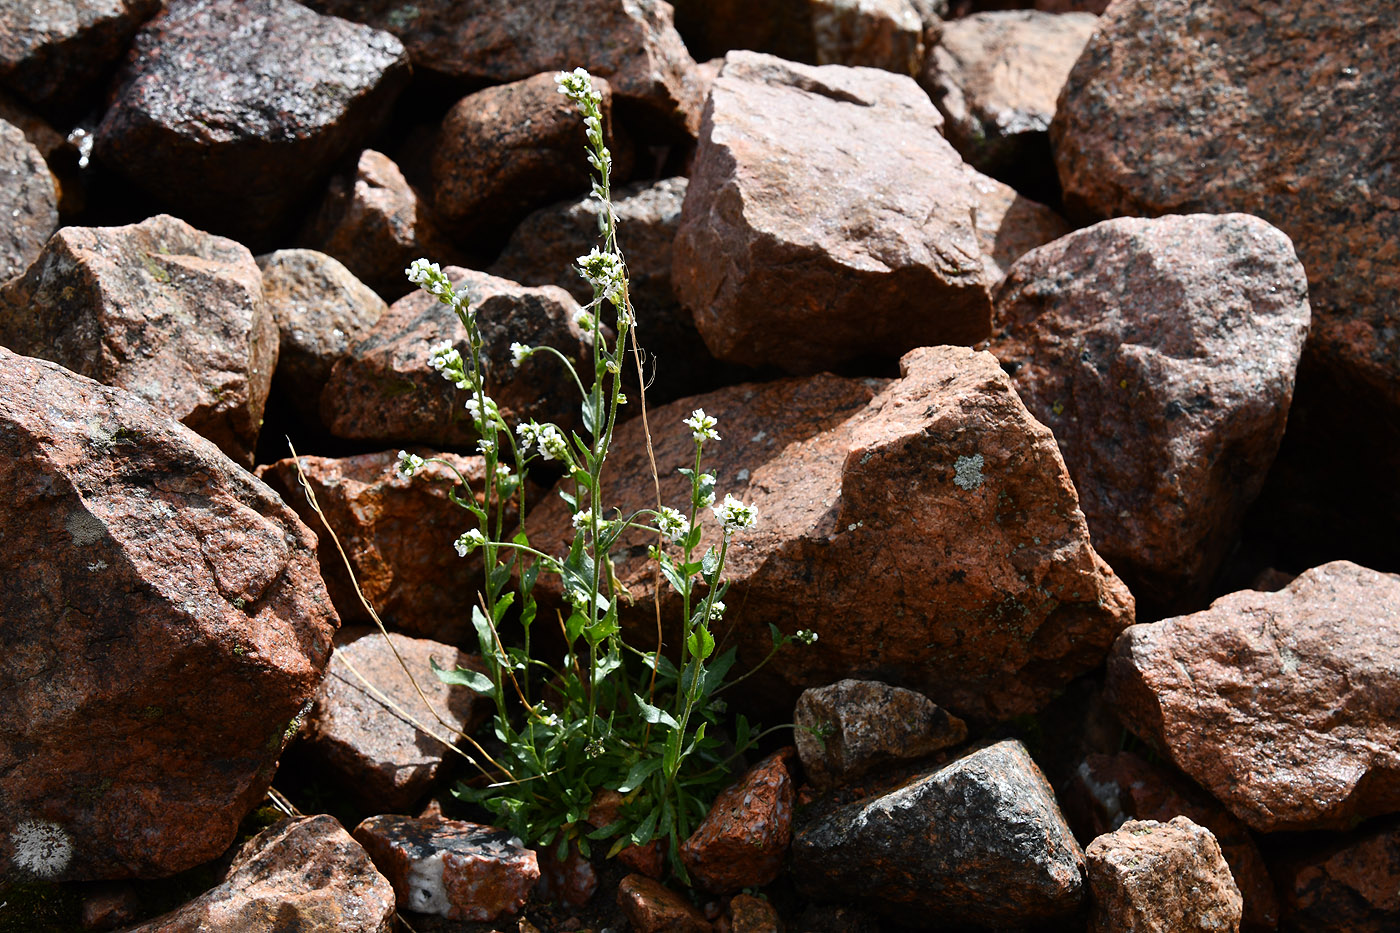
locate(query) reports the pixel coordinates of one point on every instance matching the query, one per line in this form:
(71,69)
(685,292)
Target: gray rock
(28,202)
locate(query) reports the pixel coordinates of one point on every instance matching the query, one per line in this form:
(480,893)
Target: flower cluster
(806,636)
(430,278)
(606,273)
(577,85)
(734,515)
(546,438)
(519,353)
(671,523)
(716,610)
(408,465)
(702,426)
(469,541)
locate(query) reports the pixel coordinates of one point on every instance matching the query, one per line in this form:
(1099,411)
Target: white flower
(584,319)
(716,610)
(734,515)
(582,518)
(605,272)
(420,271)
(469,541)
(702,426)
(707,490)
(408,465)
(671,523)
(806,636)
(486,445)
(552,444)
(577,85)
(502,471)
(444,358)
(519,353)
(473,407)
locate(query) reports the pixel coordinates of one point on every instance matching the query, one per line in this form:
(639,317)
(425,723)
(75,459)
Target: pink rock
(886,34)
(743,840)
(28,201)
(1010,225)
(651,907)
(1349,882)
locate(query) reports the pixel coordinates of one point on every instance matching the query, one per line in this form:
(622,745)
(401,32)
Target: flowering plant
(611,715)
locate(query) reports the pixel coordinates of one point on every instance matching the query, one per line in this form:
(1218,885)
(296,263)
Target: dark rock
(1010,225)
(1162,354)
(1349,883)
(978,843)
(233,134)
(1283,705)
(159,308)
(303,875)
(166,625)
(651,907)
(807,239)
(743,840)
(110,904)
(28,201)
(747,913)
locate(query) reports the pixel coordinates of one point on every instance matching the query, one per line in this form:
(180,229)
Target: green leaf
(466,678)
(701,643)
(717,671)
(485,636)
(692,538)
(502,606)
(654,715)
(574,625)
(710,566)
(647,830)
(570,500)
(639,773)
(592,408)
(678,582)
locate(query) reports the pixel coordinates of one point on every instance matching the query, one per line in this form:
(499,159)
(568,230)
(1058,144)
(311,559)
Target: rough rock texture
(386,762)
(159,308)
(457,870)
(826,220)
(995,77)
(1287,112)
(861,724)
(743,840)
(165,624)
(631,43)
(747,913)
(375,223)
(506,150)
(651,907)
(233,134)
(299,875)
(604,810)
(1162,353)
(572,882)
(397,532)
(979,842)
(1108,790)
(28,201)
(62,154)
(321,310)
(976,583)
(1283,705)
(1351,884)
(1010,225)
(1148,877)
(387,390)
(887,34)
(52,52)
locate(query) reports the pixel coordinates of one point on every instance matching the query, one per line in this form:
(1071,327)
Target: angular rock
(321,311)
(604,810)
(1149,876)
(850,727)
(744,838)
(977,585)
(398,534)
(53,52)
(1282,705)
(234,134)
(631,43)
(28,202)
(300,874)
(376,224)
(457,870)
(747,913)
(887,34)
(108,905)
(1109,790)
(651,907)
(995,78)
(64,155)
(172,314)
(571,882)
(1010,225)
(979,842)
(385,762)
(165,627)
(1162,353)
(387,390)
(1351,883)
(506,150)
(807,239)
(1186,105)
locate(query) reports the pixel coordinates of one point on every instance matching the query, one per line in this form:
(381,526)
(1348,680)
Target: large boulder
(165,626)
(1348,882)
(159,308)
(1285,706)
(826,220)
(233,134)
(927,530)
(1162,353)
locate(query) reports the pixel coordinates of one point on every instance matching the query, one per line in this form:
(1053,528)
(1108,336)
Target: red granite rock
(995,77)
(887,34)
(54,52)
(64,156)
(384,761)
(234,134)
(1349,883)
(387,390)
(651,907)
(633,45)
(926,529)
(1286,113)
(1282,705)
(571,881)
(398,534)
(1162,353)
(743,840)
(1149,876)
(807,239)
(979,842)
(747,913)
(159,308)
(321,310)
(165,627)
(1010,225)
(852,726)
(299,874)
(108,905)
(28,201)
(506,150)
(649,860)
(1107,790)
(457,870)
